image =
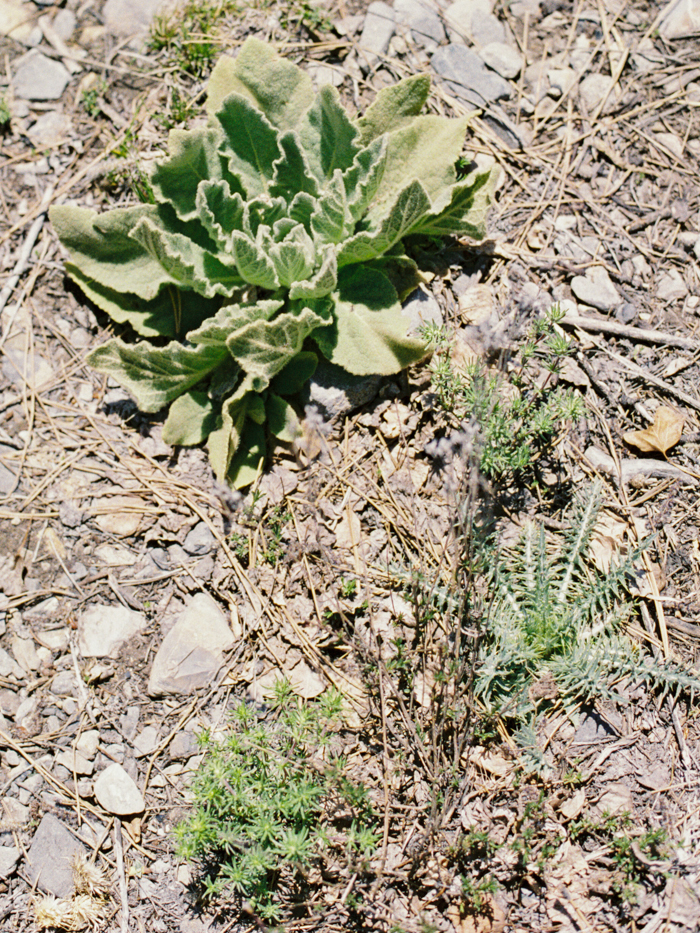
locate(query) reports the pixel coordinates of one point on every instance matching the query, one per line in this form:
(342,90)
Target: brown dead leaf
(490,919)
(663,434)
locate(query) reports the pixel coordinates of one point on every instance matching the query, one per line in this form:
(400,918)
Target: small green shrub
(279,233)
(5,115)
(514,416)
(265,802)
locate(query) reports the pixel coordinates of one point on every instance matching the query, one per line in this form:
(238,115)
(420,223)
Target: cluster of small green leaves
(5,115)
(555,622)
(621,834)
(515,416)
(271,543)
(273,235)
(189,34)
(263,802)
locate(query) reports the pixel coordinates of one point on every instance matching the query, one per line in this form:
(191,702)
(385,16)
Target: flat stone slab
(104,629)
(40,78)
(117,792)
(467,76)
(192,652)
(50,858)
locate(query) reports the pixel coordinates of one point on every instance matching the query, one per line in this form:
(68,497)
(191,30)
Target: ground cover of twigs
(437,670)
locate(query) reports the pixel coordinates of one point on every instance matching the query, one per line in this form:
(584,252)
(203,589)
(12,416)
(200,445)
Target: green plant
(514,415)
(90,98)
(189,35)
(5,115)
(179,110)
(263,803)
(283,221)
(554,630)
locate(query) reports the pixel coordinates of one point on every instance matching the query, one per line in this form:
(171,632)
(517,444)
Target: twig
(631,467)
(23,259)
(642,334)
(119,853)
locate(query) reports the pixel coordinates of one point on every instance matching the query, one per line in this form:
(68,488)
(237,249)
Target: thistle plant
(263,803)
(555,629)
(280,232)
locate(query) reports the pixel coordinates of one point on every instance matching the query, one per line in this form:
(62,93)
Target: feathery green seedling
(263,802)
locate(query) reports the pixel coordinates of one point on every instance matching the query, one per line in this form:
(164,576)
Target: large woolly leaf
(281,90)
(364,176)
(466,212)
(173,311)
(101,247)
(410,206)
(220,211)
(263,348)
(331,220)
(282,419)
(156,375)
(194,158)
(225,438)
(191,419)
(217,329)
(394,106)
(295,374)
(292,172)
(293,258)
(185,262)
(250,142)
(369,333)
(327,135)
(252,262)
(248,461)
(322,283)
(426,150)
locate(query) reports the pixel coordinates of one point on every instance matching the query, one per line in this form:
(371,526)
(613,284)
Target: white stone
(595,288)
(118,793)
(671,286)
(377,31)
(40,78)
(593,89)
(146,741)
(129,18)
(193,650)
(104,629)
(679,19)
(503,58)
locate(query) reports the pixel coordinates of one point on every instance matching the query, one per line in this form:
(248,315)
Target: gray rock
(117,792)
(69,515)
(421,308)
(146,741)
(460,15)
(670,287)
(75,761)
(200,540)
(50,856)
(519,8)
(130,721)
(129,18)
(64,23)
(40,78)
(376,35)
(63,684)
(423,21)
(102,630)
(335,392)
(20,367)
(679,19)
(8,666)
(592,91)
(488,29)
(467,76)
(502,58)
(596,289)
(183,745)
(49,129)
(192,652)
(9,856)
(8,479)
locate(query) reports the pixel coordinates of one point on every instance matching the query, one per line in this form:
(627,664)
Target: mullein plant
(280,232)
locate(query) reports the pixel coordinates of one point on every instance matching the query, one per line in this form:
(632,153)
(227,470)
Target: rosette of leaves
(278,233)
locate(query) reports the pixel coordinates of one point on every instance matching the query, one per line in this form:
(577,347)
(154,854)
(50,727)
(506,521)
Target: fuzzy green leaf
(364,176)
(331,220)
(426,150)
(293,258)
(217,329)
(219,211)
(466,212)
(250,142)
(100,246)
(368,335)
(224,439)
(394,106)
(253,263)
(322,283)
(292,172)
(263,348)
(295,374)
(155,375)
(194,158)
(282,419)
(281,90)
(327,135)
(171,313)
(247,463)
(191,419)
(411,205)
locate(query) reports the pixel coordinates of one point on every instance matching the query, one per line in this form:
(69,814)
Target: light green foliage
(263,803)
(5,115)
(516,415)
(277,231)
(554,634)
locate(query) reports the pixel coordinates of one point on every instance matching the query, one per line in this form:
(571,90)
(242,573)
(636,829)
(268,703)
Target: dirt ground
(95,507)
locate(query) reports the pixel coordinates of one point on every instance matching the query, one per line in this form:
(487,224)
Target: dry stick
(119,852)
(23,259)
(642,334)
